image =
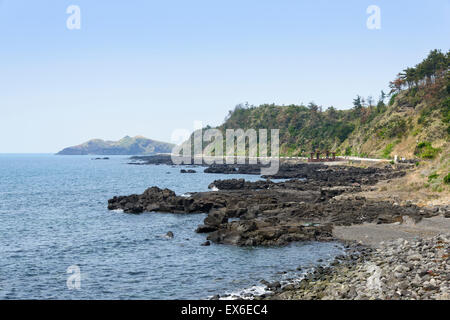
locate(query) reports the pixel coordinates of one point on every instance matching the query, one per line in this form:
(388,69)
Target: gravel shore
(395,270)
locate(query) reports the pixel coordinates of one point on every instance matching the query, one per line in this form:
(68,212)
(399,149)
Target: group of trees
(435,66)
(359,102)
(306,127)
(365,109)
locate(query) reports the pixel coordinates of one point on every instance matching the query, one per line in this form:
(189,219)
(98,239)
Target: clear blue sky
(149,67)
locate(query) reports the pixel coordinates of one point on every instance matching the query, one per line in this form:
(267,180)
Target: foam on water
(287,278)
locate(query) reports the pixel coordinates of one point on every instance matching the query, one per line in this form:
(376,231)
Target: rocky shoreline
(398,269)
(307,207)
(277,213)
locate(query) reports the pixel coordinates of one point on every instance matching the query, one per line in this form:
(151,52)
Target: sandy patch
(373,234)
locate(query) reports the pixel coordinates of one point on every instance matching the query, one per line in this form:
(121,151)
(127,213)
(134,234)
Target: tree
(332,113)
(410,76)
(358,105)
(434,66)
(381,107)
(314,108)
(357,102)
(397,84)
(382,96)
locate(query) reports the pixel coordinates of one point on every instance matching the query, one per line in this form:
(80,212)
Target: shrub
(412,92)
(414,101)
(381,133)
(348,151)
(447,179)
(392,100)
(364,155)
(416,132)
(446,111)
(432,177)
(395,128)
(387,151)
(381,107)
(426,151)
(425,116)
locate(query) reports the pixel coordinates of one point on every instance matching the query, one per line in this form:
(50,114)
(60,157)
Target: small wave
(246,294)
(258,290)
(186,195)
(118,210)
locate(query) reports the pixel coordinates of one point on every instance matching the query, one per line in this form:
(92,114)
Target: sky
(148,68)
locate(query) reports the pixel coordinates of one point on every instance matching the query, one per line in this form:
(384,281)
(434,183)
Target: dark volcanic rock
(187,171)
(268,217)
(169,235)
(333,175)
(205,228)
(252,233)
(155,199)
(216,218)
(155,159)
(239,184)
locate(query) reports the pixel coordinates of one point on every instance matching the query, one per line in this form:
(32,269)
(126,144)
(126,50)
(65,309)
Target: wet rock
(216,218)
(274,285)
(205,229)
(169,235)
(187,171)
(265,282)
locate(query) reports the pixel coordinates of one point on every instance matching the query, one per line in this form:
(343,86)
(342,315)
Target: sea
(58,240)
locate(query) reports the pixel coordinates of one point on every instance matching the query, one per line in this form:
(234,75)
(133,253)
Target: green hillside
(411,120)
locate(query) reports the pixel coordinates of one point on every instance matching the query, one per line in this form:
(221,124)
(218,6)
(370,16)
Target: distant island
(126,146)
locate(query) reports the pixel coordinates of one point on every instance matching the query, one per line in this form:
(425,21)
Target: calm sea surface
(53,215)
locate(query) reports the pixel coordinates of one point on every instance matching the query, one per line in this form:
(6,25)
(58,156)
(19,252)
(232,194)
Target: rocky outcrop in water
(187,171)
(268,213)
(161,200)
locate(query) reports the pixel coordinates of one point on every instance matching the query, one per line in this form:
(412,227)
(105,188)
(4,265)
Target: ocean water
(53,215)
